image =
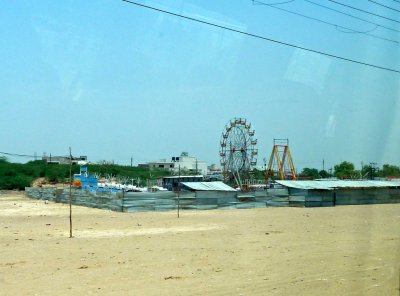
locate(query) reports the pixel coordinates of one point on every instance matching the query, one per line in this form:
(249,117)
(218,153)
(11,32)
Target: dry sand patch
(148,231)
(349,250)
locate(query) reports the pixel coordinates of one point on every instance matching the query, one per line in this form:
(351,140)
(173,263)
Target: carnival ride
(238,151)
(280,164)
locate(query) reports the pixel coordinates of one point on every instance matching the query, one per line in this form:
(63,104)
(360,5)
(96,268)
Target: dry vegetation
(349,250)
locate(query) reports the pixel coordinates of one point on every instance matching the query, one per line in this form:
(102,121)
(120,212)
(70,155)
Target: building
(63,159)
(184,162)
(161,164)
(173,183)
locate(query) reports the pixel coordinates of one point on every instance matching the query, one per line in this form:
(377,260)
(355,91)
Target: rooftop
(334,184)
(208,186)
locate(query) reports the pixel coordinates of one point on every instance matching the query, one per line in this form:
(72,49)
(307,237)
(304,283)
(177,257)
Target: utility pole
(323,164)
(372,167)
(362,170)
(131,161)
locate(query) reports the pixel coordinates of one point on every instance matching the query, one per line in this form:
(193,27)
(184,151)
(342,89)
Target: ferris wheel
(238,148)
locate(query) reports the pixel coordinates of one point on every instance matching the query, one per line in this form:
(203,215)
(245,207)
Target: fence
(207,200)
(150,201)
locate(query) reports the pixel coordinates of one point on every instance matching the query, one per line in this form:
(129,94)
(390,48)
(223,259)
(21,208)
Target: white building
(184,162)
(63,159)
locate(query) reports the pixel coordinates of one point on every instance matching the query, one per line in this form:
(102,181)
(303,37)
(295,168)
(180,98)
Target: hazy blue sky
(116,81)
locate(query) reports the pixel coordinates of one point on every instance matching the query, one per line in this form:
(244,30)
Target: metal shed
(341,192)
(212,195)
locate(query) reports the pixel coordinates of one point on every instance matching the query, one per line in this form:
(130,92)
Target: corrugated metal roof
(208,186)
(181,177)
(333,184)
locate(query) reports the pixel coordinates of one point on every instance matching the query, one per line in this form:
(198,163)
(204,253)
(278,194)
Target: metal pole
(372,169)
(179,179)
(123,198)
(70,193)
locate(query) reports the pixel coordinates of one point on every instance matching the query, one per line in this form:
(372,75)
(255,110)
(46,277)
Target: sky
(116,81)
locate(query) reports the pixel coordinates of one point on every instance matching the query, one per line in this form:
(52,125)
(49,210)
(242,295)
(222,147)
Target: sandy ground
(348,250)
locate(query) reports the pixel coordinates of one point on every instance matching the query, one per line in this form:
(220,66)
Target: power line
(337,27)
(19,155)
(353,16)
(365,11)
(388,7)
(29,156)
(357,32)
(279,3)
(260,37)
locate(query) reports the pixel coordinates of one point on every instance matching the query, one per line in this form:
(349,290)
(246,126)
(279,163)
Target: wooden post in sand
(179,179)
(70,194)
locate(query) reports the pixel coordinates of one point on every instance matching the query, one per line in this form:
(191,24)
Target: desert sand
(347,250)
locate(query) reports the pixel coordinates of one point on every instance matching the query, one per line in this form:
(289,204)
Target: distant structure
(238,151)
(184,161)
(280,164)
(214,168)
(330,193)
(173,183)
(63,159)
(215,173)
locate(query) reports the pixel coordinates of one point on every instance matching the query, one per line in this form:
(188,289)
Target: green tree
(259,174)
(345,170)
(389,171)
(310,172)
(323,174)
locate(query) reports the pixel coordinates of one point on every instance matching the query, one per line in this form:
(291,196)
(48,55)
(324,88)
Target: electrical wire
(354,31)
(353,16)
(276,3)
(388,7)
(19,155)
(261,37)
(365,11)
(338,27)
(29,156)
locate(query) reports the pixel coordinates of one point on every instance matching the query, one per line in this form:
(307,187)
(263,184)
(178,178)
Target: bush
(19,176)
(17,182)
